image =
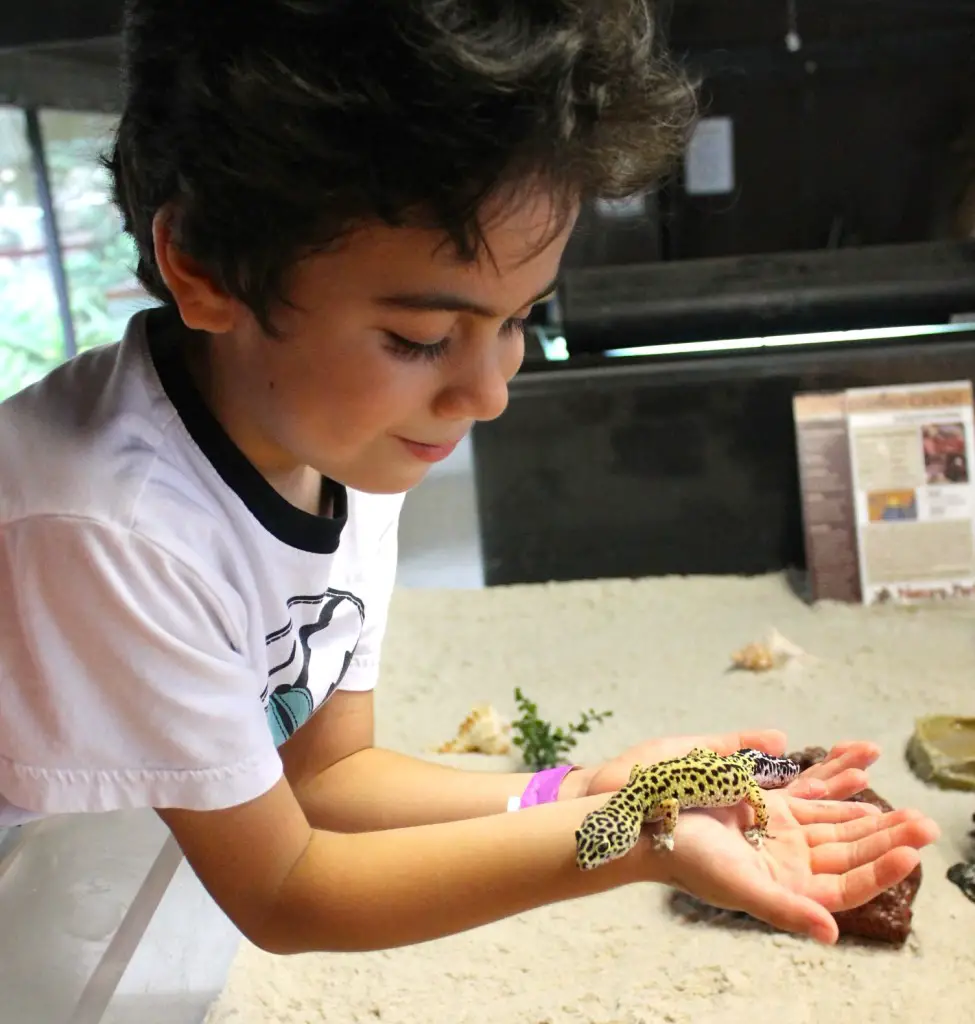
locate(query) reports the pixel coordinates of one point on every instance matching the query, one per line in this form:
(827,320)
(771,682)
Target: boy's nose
(480,393)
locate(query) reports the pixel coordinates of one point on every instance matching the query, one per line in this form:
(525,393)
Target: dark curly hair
(270,128)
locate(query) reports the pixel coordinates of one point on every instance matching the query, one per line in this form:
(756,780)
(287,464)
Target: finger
(838,760)
(836,787)
(845,784)
(830,812)
(862,884)
(790,911)
(842,756)
(861,748)
(866,753)
(856,828)
(843,774)
(840,857)
(809,789)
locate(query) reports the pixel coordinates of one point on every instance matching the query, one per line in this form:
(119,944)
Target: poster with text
(910,450)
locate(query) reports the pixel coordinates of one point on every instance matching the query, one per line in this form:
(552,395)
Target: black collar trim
(290,525)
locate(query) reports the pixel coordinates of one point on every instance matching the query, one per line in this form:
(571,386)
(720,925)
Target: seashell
(768,654)
(483,731)
(756,658)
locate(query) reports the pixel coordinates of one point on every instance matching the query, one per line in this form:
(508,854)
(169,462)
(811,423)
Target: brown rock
(887,917)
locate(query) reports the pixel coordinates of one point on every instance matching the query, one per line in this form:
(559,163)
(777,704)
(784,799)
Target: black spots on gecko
(770,772)
(607,834)
(658,792)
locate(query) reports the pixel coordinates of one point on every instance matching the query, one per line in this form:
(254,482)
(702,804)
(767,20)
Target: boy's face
(396,349)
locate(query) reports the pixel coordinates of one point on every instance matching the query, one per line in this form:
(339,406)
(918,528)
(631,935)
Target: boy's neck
(301,486)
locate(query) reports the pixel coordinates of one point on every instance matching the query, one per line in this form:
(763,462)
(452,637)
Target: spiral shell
(483,731)
(768,654)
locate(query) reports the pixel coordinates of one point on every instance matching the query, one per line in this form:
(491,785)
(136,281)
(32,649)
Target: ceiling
(66,53)
(819,160)
(40,23)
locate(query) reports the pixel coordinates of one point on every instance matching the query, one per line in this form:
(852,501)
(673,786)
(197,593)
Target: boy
(346,211)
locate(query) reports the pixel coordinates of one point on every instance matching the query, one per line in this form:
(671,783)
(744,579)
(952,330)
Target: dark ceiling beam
(42,80)
(772,293)
(31,23)
(891,51)
(699,24)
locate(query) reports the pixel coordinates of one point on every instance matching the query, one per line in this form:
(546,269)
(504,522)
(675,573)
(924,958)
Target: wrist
(576,784)
(651,864)
(551,785)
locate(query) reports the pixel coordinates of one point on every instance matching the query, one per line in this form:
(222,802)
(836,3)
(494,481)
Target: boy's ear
(202,305)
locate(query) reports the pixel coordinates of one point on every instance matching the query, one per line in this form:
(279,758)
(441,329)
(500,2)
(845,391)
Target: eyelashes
(403,348)
(406,349)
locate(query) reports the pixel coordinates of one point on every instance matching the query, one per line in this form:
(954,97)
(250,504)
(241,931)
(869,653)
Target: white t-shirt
(167,619)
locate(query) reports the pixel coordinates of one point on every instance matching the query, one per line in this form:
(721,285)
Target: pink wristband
(543,787)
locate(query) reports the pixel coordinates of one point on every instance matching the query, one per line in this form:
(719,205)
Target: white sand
(656,652)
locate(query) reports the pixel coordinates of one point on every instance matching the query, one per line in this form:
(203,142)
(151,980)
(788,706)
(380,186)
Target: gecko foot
(756,837)
(663,841)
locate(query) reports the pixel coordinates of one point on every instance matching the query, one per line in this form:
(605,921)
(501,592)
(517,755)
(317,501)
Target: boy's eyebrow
(450,303)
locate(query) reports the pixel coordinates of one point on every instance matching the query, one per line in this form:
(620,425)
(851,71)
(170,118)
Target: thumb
(771,741)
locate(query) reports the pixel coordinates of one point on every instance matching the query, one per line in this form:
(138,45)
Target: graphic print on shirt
(309,657)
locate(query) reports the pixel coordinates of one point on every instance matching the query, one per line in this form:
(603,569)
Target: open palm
(822,856)
(825,854)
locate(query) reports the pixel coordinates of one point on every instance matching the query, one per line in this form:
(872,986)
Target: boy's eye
(434,350)
(407,349)
(516,325)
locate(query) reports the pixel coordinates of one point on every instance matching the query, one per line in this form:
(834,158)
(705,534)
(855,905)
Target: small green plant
(541,745)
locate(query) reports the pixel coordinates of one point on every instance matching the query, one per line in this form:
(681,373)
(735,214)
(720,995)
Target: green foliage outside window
(97,255)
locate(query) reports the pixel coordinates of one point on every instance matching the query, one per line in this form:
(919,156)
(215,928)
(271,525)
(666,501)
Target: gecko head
(770,772)
(606,835)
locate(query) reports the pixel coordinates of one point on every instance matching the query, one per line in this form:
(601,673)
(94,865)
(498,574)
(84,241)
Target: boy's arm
(290,888)
(345,784)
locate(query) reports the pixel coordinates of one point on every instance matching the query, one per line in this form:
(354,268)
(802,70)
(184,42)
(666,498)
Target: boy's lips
(429,452)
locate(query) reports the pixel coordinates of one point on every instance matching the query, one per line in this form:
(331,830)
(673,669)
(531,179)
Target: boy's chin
(386,479)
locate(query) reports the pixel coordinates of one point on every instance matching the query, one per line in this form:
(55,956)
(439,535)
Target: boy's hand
(826,856)
(842,774)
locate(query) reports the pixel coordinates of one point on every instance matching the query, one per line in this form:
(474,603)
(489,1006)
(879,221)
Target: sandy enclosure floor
(656,652)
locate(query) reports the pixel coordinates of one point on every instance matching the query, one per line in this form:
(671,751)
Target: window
(39,329)
(31,333)
(99,259)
